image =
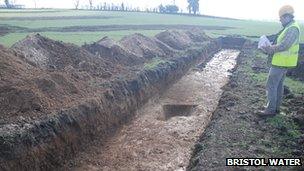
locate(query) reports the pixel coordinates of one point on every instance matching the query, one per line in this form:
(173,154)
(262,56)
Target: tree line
(193,6)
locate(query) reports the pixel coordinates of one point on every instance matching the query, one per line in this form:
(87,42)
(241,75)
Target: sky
(242,9)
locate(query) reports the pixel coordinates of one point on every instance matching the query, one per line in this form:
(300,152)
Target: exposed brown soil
(40,76)
(155,140)
(28,92)
(114,52)
(146,47)
(180,40)
(235,130)
(57,97)
(136,49)
(49,54)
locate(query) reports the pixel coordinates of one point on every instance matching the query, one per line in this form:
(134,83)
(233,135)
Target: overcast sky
(244,9)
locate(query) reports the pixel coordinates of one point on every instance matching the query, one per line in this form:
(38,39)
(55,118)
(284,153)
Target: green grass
(78,38)
(289,129)
(240,27)
(296,87)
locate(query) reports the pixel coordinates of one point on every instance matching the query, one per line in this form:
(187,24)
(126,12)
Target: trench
(164,130)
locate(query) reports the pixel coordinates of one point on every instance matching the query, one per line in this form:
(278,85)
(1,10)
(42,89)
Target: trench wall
(47,143)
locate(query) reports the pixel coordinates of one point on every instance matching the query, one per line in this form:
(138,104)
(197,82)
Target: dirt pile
(180,40)
(232,42)
(114,52)
(137,49)
(27,91)
(15,97)
(40,75)
(198,35)
(146,47)
(56,97)
(54,55)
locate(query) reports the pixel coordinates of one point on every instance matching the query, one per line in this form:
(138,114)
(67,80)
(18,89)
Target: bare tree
(76,3)
(193,5)
(91,4)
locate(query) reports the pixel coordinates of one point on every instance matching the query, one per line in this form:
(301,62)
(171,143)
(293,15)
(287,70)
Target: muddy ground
(235,130)
(58,97)
(161,135)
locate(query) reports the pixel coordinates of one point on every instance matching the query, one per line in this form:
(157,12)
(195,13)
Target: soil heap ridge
(27,91)
(113,51)
(146,47)
(50,54)
(180,40)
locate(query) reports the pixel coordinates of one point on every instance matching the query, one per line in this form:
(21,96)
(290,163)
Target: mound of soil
(198,35)
(114,52)
(145,47)
(181,40)
(28,92)
(232,41)
(40,76)
(49,54)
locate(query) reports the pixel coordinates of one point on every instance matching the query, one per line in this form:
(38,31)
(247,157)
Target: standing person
(284,56)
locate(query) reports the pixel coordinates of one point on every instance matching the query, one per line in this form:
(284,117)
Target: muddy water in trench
(164,130)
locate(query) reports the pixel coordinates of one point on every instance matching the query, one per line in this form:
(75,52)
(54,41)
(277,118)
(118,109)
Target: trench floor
(165,130)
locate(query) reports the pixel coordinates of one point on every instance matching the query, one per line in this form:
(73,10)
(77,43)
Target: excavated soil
(137,49)
(56,97)
(49,54)
(156,140)
(146,47)
(40,76)
(235,130)
(28,92)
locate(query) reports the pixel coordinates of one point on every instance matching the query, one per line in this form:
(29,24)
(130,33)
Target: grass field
(89,26)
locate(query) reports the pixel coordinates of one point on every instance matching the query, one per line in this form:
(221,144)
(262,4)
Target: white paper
(263,42)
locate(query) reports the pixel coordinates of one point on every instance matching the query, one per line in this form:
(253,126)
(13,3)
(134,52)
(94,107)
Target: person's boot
(267,113)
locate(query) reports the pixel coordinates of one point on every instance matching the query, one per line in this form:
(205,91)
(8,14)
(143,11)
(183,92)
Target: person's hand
(268,50)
